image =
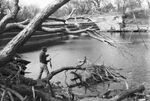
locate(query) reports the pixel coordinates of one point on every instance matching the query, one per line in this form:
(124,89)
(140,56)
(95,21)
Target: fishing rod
(50,62)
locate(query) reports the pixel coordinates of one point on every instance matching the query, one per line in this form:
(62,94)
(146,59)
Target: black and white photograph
(74,50)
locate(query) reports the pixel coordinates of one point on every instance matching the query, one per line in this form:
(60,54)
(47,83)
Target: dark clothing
(43,64)
(43,57)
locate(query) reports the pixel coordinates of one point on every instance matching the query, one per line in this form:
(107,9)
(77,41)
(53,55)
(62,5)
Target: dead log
(56,19)
(21,26)
(8,51)
(128,93)
(76,32)
(11,26)
(52,30)
(15,25)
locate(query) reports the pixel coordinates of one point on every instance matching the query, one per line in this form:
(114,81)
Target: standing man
(43,62)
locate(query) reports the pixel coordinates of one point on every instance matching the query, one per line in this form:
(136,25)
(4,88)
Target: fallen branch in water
(53,73)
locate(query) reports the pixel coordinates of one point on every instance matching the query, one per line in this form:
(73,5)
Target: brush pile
(96,74)
(15,87)
(101,74)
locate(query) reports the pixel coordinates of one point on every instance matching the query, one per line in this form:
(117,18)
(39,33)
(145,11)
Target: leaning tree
(8,51)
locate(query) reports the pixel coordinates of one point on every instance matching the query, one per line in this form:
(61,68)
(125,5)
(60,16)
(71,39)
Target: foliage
(109,7)
(98,6)
(139,13)
(27,12)
(81,7)
(4,6)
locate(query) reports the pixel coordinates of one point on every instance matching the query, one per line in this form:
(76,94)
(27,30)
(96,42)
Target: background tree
(4,7)
(27,12)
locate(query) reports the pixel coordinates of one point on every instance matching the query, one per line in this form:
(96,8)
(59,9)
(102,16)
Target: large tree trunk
(8,51)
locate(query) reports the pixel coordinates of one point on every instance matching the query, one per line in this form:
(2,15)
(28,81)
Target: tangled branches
(95,74)
(15,87)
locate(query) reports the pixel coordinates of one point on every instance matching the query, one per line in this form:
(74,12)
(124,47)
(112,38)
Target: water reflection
(135,38)
(135,67)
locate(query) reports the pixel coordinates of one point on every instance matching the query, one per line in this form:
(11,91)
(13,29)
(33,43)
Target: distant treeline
(82,7)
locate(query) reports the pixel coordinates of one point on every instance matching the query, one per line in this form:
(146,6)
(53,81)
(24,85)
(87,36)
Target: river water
(134,61)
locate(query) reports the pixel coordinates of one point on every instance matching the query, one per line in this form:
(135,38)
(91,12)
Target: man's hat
(43,48)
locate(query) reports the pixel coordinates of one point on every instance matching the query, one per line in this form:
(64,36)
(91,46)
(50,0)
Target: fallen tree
(9,50)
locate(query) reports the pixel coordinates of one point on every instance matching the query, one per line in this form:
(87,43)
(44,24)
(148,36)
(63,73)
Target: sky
(40,3)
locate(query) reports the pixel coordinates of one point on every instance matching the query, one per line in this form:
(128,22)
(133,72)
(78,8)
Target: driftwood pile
(101,74)
(96,74)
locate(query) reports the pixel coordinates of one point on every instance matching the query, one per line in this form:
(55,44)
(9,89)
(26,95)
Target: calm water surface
(136,66)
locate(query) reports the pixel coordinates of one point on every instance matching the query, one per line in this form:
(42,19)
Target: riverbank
(112,22)
(103,23)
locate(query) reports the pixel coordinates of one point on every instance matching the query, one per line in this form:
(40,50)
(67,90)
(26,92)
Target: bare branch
(46,29)
(25,22)
(10,95)
(21,26)
(100,38)
(14,92)
(53,73)
(69,16)
(3,95)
